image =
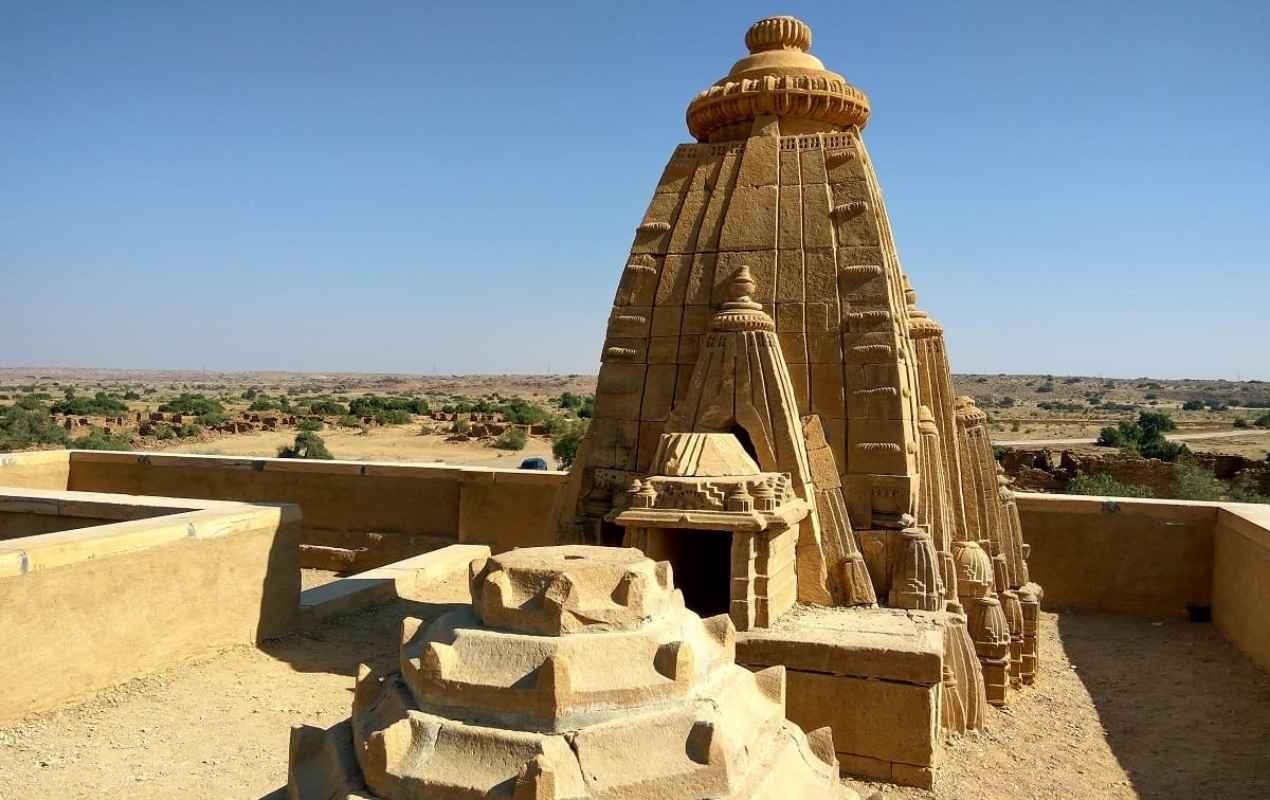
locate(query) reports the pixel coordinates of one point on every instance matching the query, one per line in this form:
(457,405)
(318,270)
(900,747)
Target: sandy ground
(401,443)
(1126,708)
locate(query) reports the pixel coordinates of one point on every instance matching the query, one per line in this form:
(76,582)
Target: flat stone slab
(881,643)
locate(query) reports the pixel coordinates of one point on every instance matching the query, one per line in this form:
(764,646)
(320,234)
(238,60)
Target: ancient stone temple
(763,303)
(576,672)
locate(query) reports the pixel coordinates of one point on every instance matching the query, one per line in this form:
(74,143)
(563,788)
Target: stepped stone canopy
(575,673)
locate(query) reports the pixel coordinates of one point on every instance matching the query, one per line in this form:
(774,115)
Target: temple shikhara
(773,407)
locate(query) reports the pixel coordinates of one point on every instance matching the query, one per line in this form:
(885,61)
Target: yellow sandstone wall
(502,508)
(85,609)
(1241,579)
(43,469)
(1147,557)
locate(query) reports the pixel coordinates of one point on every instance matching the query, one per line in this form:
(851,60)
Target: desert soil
(386,443)
(1125,708)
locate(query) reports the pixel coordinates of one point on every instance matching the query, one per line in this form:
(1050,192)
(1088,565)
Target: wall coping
(299,465)
(190,519)
(12,458)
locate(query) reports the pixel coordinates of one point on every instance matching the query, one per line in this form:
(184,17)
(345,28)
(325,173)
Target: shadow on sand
(338,645)
(1184,712)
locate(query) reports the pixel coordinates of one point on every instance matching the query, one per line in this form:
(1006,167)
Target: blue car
(534,463)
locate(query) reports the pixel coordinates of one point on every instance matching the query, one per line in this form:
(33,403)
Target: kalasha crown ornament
(778,77)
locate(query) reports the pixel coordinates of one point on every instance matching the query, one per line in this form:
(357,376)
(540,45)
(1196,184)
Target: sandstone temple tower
(763,302)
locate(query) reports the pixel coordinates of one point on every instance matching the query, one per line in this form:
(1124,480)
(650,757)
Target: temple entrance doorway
(702,563)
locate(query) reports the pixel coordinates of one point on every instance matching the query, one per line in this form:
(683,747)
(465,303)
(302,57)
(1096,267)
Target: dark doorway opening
(611,534)
(747,444)
(702,563)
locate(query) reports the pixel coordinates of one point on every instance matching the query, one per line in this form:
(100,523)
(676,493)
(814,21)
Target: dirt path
(1125,709)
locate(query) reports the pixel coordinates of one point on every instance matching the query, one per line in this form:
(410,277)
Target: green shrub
(327,407)
(211,419)
(1240,422)
(1112,436)
(164,432)
(393,416)
(1103,485)
(1193,405)
(131,395)
(101,439)
(349,421)
(1262,421)
(27,424)
(264,402)
(1196,483)
(1059,405)
(99,405)
(309,425)
(564,445)
(190,430)
(371,405)
(511,439)
(461,426)
(1145,437)
(196,404)
(307,445)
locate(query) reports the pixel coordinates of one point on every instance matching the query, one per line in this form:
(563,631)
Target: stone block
(790,231)
(789,277)
(798,377)
(672,286)
(676,177)
(827,398)
(720,197)
(793,347)
(821,276)
(845,164)
(689,348)
(662,350)
(759,162)
(666,320)
(653,234)
(825,348)
(683,237)
(696,319)
(629,321)
(750,223)
(813,166)
(659,392)
(619,391)
(817,224)
(790,317)
(822,317)
(790,174)
(700,289)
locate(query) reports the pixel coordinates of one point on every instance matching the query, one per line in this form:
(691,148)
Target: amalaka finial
(778,33)
(779,77)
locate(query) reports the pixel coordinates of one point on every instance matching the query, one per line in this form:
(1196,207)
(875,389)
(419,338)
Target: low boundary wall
(88,608)
(357,515)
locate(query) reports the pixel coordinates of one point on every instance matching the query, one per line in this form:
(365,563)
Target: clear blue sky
(1077,187)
